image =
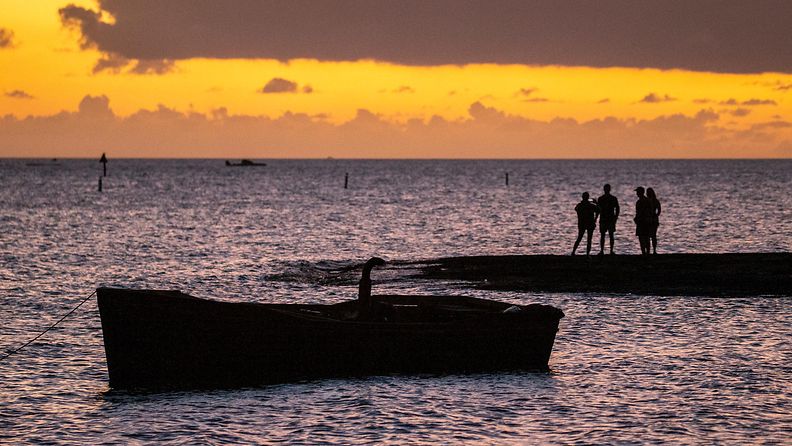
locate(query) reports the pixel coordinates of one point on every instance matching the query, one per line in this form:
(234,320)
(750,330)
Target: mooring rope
(2,358)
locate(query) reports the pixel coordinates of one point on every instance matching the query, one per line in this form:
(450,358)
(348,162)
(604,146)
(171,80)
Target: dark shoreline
(751,274)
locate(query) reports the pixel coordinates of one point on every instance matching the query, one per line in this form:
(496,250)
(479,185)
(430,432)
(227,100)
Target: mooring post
(346,180)
(100,184)
(507,178)
(103,160)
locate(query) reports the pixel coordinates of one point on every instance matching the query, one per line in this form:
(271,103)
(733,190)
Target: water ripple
(626,369)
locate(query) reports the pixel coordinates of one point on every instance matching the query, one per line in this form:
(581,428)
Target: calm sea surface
(625,369)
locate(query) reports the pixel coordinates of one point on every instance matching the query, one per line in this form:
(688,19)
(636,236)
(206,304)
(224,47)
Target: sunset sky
(396,79)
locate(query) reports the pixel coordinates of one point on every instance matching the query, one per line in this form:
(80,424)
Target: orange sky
(210,107)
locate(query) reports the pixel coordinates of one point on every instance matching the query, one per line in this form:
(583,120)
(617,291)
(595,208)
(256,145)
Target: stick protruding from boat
(364,291)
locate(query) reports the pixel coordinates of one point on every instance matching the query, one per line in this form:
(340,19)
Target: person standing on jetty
(609,213)
(650,194)
(587,219)
(643,219)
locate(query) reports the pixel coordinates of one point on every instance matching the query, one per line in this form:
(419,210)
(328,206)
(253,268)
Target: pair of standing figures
(606,208)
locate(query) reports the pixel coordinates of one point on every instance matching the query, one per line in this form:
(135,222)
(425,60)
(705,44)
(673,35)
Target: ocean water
(625,369)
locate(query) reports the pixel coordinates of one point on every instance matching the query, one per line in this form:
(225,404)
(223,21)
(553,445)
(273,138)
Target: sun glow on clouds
(48,64)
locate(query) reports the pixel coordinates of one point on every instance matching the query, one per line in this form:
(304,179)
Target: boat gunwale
(475,308)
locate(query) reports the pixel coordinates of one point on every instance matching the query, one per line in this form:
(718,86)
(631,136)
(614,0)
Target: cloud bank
(486,133)
(734,36)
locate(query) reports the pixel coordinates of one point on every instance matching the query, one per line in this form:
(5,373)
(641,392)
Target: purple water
(625,368)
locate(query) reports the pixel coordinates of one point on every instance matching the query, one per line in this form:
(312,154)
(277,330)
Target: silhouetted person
(609,213)
(643,219)
(587,219)
(364,289)
(656,209)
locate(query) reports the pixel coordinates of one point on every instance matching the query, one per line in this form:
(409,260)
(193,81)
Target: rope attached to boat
(2,358)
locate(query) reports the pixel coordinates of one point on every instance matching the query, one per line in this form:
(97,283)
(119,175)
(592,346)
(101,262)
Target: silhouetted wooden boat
(244,163)
(167,339)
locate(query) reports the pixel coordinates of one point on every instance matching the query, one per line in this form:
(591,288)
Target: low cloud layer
(735,36)
(485,133)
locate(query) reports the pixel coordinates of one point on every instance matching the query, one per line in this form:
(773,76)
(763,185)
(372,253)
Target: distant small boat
(244,163)
(167,339)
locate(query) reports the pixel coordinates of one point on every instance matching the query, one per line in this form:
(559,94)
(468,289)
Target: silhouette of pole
(507,178)
(103,160)
(100,184)
(346,180)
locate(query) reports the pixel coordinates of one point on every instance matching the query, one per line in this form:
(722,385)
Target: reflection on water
(625,368)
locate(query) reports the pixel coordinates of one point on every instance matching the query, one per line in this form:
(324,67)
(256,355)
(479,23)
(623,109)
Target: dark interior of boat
(411,309)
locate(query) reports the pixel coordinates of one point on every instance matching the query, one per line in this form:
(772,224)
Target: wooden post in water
(100,184)
(103,160)
(507,178)
(346,180)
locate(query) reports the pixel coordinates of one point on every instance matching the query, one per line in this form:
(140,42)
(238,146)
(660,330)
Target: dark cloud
(6,38)
(114,63)
(749,102)
(279,85)
(603,101)
(702,101)
(90,23)
(759,102)
(153,66)
(705,35)
(783,87)
(404,89)
(652,98)
(110,62)
(19,94)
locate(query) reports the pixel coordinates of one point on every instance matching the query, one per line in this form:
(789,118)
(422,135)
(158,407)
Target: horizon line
(332,158)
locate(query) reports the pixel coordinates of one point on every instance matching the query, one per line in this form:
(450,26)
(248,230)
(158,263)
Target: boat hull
(165,339)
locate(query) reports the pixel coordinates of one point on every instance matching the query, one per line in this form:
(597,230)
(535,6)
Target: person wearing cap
(643,220)
(587,213)
(609,213)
